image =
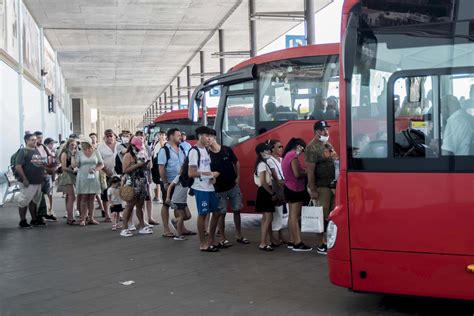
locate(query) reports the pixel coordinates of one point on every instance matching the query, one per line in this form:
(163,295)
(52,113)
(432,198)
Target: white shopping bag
(312,219)
(280,219)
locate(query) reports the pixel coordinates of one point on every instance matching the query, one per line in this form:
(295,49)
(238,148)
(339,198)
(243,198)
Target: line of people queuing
(208,171)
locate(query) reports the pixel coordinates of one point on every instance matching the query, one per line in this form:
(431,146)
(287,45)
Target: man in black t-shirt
(30,167)
(224,161)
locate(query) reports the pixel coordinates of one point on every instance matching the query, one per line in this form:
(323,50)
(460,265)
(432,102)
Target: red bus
(177,119)
(403,221)
(290,80)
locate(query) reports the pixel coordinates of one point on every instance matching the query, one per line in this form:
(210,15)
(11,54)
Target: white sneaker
(132,227)
(179,238)
(148,225)
(145,231)
(126,233)
(77,213)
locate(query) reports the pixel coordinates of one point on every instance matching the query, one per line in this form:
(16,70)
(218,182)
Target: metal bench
(13,186)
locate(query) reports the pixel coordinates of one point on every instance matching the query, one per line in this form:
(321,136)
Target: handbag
(280,218)
(126,192)
(312,219)
(103,180)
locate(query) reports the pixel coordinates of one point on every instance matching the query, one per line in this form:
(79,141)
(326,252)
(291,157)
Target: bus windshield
(300,88)
(405,70)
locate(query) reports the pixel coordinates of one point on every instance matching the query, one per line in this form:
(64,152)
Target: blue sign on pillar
(295,40)
(215,92)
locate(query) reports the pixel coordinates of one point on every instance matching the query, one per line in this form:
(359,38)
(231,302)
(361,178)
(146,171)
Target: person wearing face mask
(294,190)
(122,147)
(320,157)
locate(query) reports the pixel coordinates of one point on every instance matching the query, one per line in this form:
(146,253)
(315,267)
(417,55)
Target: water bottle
(336,167)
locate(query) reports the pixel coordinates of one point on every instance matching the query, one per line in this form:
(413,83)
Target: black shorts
(264,201)
(116,208)
(103,194)
(295,196)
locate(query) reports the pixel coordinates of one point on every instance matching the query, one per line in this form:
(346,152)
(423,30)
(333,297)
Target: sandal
(71,222)
(243,240)
(266,248)
(170,235)
(190,233)
(210,249)
(107,220)
(224,244)
(82,223)
(92,222)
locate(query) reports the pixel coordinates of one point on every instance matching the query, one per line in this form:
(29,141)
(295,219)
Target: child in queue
(116,208)
(177,196)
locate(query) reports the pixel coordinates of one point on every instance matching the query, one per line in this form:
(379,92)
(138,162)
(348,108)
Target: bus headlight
(331,234)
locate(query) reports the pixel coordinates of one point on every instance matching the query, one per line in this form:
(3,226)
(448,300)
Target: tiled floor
(63,270)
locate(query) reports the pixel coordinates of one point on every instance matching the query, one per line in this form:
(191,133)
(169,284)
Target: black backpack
(184,179)
(155,170)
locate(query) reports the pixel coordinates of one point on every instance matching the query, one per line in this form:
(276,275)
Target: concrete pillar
(221,50)
(178,91)
(188,83)
(203,70)
(309,22)
(252,29)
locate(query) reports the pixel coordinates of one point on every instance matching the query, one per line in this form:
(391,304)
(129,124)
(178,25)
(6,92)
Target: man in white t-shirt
(203,187)
(459,130)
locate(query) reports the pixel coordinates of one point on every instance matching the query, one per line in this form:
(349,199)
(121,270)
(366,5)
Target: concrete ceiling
(121,54)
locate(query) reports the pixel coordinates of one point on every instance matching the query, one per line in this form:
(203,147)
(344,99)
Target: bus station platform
(71,270)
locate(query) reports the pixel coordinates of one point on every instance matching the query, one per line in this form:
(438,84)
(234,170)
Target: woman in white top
(266,196)
(280,218)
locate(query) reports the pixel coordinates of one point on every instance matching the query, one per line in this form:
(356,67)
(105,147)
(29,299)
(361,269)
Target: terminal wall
(24,107)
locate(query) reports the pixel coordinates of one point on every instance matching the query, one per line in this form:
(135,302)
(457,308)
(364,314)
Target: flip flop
(170,235)
(243,240)
(266,248)
(224,244)
(189,233)
(210,249)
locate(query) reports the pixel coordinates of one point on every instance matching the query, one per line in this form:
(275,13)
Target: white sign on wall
(31,43)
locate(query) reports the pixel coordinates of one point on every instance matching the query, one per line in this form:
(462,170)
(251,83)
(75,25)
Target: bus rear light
(470,268)
(331,234)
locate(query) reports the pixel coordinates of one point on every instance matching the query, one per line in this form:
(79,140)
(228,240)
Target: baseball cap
(321,125)
(137,142)
(86,139)
(49,141)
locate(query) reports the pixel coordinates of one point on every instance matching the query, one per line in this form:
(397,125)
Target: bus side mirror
(349,46)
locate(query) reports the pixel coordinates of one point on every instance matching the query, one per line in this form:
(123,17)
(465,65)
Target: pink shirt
(291,182)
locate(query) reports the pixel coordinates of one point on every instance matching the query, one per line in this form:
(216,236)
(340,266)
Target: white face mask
(324,138)
(125,140)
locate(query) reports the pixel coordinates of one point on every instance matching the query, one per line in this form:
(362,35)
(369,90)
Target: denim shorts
(206,202)
(234,195)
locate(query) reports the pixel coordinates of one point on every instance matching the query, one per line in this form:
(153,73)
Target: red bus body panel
(289,53)
(422,274)
(401,233)
(181,115)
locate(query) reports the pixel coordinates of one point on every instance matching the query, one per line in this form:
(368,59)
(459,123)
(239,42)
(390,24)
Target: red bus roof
(348,5)
(181,114)
(288,53)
